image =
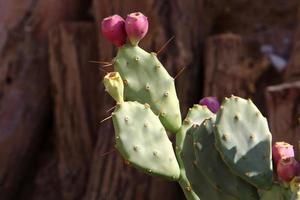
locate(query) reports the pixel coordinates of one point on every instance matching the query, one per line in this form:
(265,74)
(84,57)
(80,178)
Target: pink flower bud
(212,103)
(113,28)
(282,150)
(136,27)
(287,169)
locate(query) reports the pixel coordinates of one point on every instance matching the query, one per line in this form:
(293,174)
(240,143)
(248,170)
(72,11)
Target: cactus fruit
(113,28)
(287,169)
(282,150)
(212,103)
(147,81)
(114,86)
(244,141)
(211,165)
(136,27)
(142,140)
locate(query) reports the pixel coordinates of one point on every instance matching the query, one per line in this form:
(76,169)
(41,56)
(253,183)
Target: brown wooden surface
(76,97)
(284,112)
(230,69)
(52,146)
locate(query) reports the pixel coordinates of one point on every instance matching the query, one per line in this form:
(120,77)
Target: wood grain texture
(76,97)
(25,100)
(283,103)
(293,69)
(229,69)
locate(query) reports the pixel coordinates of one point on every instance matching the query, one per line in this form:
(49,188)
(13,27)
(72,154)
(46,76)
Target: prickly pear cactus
(211,165)
(221,157)
(244,141)
(147,81)
(190,181)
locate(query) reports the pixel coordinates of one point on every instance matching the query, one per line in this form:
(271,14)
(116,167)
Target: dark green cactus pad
(211,165)
(147,81)
(193,183)
(244,141)
(142,140)
(276,192)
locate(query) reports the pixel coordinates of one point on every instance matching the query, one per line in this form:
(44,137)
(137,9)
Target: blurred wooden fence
(52,146)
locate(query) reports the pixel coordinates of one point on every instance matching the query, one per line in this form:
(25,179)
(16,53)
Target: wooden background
(52,145)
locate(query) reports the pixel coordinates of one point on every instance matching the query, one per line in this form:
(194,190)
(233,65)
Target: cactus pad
(147,81)
(244,141)
(185,153)
(142,140)
(211,165)
(194,183)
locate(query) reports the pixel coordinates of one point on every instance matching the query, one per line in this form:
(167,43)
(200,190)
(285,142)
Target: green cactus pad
(211,165)
(147,81)
(189,176)
(244,141)
(194,183)
(276,192)
(142,140)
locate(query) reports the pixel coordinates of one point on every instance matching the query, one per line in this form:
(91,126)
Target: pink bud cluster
(117,30)
(287,167)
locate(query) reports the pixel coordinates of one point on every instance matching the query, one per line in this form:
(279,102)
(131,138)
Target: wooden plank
(76,96)
(283,102)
